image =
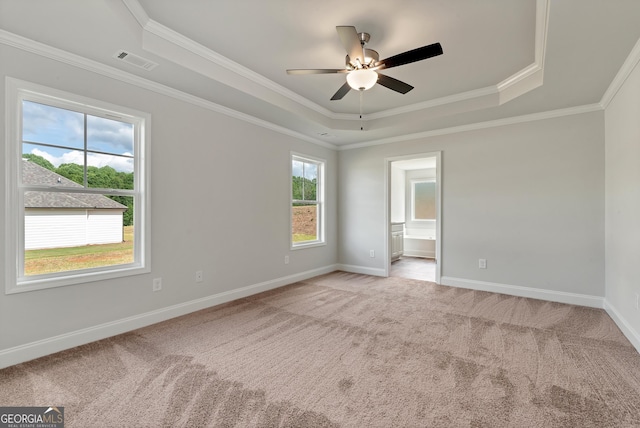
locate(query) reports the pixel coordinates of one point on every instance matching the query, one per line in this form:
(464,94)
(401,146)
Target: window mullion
(303,175)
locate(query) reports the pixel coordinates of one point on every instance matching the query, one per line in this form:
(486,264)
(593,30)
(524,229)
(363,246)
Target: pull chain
(361,121)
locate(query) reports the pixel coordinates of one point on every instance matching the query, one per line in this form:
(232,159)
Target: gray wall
(219,201)
(622,123)
(527,197)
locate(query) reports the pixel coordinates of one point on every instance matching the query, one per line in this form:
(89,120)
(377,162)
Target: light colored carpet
(354,351)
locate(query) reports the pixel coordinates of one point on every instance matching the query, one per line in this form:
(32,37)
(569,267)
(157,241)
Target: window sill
(45,282)
(308,245)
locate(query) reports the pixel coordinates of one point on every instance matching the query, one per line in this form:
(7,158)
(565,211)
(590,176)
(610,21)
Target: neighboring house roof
(33,173)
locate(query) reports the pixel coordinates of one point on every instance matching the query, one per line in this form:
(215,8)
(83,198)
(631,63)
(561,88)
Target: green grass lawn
(51,260)
(37,262)
(301,237)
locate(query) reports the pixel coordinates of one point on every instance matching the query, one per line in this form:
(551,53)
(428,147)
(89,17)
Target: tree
(39,160)
(304,189)
(108,178)
(127,216)
(72,171)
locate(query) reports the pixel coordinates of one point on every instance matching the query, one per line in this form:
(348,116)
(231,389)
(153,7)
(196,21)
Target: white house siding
(104,227)
(46,228)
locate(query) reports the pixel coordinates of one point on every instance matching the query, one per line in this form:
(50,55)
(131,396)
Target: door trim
(387,214)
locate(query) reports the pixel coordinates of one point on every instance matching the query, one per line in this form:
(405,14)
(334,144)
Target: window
(423,200)
(307,207)
(76,189)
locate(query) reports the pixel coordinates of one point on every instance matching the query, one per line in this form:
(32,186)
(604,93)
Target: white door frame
(387,212)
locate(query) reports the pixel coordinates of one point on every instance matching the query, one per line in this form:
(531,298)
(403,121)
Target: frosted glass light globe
(362,79)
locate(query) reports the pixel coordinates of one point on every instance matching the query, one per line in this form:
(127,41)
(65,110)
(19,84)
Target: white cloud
(110,135)
(51,124)
(116,162)
(65,128)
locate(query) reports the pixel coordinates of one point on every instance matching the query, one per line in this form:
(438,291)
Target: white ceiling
(502,58)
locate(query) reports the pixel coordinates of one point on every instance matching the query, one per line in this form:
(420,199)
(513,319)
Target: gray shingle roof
(33,173)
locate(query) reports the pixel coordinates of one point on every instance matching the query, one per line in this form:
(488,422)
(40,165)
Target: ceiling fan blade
(316,71)
(341,92)
(414,55)
(394,84)
(351,42)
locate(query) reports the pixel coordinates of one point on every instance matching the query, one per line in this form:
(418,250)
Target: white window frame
(413,198)
(320,197)
(15,280)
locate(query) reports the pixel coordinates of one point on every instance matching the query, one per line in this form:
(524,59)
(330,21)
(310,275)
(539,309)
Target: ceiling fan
(362,64)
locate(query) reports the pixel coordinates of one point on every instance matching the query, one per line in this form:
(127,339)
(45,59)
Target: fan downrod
(364,38)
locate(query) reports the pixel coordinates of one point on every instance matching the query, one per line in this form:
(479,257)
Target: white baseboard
(40,348)
(420,253)
(627,329)
(555,296)
(361,269)
(533,293)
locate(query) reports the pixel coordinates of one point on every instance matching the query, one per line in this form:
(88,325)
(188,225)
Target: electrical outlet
(157,284)
(286,260)
(482,263)
(372,253)
(199,276)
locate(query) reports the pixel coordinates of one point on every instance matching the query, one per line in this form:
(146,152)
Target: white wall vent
(136,60)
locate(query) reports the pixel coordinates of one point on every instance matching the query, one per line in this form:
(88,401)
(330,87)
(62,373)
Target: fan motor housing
(371,57)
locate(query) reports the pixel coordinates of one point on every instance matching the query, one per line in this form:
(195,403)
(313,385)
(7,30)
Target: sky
(298,168)
(52,125)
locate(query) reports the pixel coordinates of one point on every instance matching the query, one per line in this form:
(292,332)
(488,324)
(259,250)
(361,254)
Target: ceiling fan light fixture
(362,79)
(361,71)
(370,57)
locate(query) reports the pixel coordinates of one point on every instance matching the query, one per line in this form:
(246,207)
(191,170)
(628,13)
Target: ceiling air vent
(136,60)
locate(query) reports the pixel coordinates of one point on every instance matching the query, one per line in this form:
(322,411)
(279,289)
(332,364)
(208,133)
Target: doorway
(420,268)
(413,214)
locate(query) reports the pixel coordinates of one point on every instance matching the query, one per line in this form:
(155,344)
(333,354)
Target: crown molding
(158,30)
(520,76)
(623,74)
(137,11)
(519,83)
(542,27)
(177,39)
(588,108)
(28,45)
(437,102)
